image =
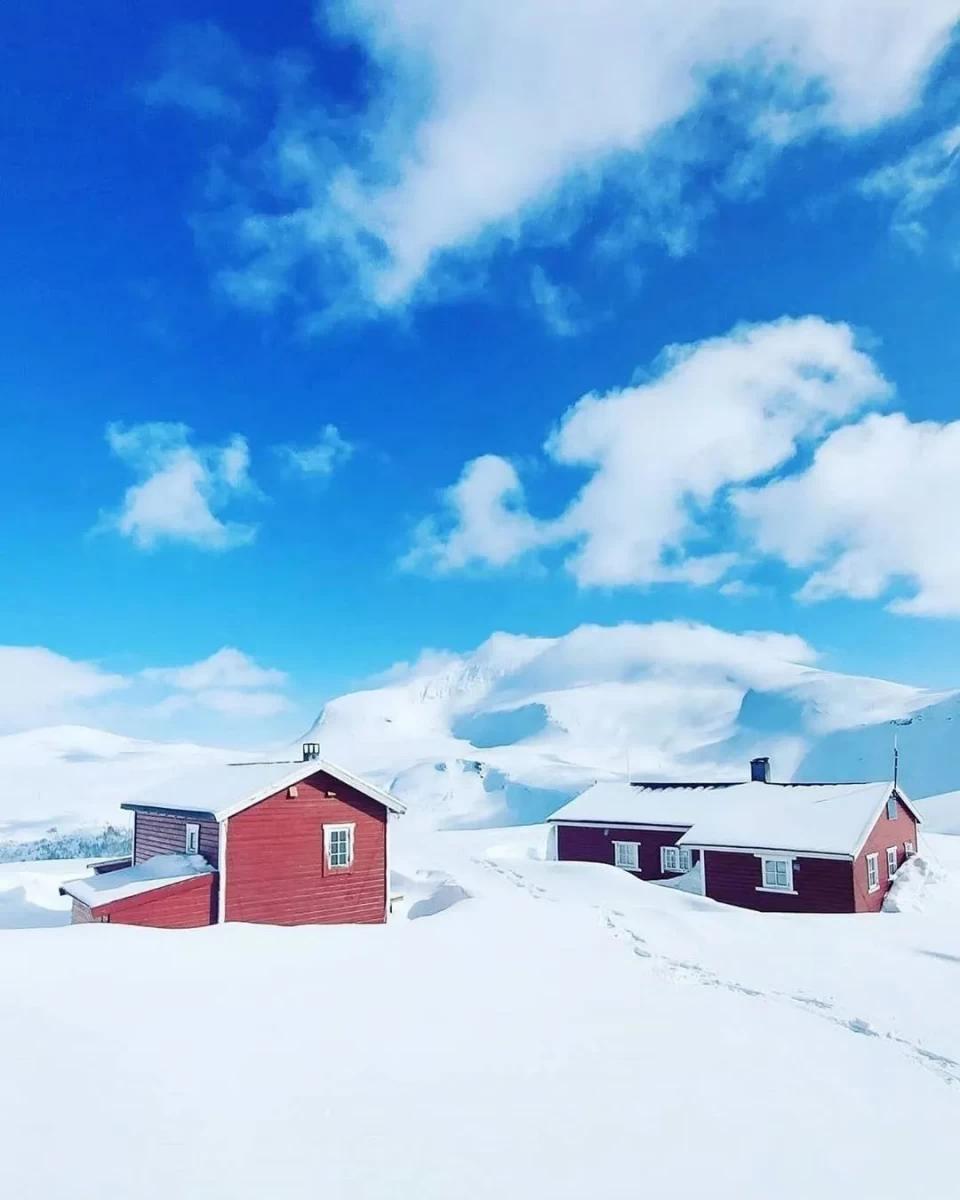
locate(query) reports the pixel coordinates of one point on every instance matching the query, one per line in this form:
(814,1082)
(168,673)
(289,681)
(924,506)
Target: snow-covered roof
(219,790)
(827,818)
(160,871)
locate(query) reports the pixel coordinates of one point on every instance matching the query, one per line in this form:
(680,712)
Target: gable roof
(158,872)
(220,790)
(818,818)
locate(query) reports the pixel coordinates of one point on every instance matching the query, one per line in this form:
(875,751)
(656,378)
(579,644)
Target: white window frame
(892,808)
(632,856)
(191,833)
(909,849)
(891,861)
(330,835)
(873,872)
(786,888)
(676,859)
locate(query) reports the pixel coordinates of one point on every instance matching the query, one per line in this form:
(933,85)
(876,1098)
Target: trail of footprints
(946,1068)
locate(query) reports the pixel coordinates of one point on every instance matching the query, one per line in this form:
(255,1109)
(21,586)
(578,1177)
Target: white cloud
(39,686)
(877,509)
(662,452)
(483,115)
(557,304)
(322,457)
(182,486)
(915,181)
(227,668)
(203,71)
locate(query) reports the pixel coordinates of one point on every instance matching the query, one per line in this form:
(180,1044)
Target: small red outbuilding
(275,843)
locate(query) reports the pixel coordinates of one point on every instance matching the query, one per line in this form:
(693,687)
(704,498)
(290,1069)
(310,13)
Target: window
(675,858)
(909,848)
(191,840)
(891,861)
(892,806)
(873,872)
(338,845)
(778,874)
(627,855)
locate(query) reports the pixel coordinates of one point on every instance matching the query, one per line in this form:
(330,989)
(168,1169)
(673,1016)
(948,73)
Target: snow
(552,1029)
(825,819)
(941,814)
(220,789)
(157,872)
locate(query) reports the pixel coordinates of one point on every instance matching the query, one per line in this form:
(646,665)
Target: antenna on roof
(896,746)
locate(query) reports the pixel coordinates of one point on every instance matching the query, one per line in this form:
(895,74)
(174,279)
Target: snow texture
(561,1023)
(160,871)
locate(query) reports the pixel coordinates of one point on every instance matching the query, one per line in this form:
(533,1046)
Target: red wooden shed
(776,847)
(276,843)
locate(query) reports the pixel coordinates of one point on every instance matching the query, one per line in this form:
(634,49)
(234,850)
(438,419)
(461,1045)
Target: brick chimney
(760,770)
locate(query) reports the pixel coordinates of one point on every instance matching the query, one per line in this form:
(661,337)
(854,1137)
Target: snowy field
(522,1028)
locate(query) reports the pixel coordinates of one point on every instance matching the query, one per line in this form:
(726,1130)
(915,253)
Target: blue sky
(275,283)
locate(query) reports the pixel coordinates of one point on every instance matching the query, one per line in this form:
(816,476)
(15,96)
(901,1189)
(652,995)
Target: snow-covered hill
(508,731)
(521,1028)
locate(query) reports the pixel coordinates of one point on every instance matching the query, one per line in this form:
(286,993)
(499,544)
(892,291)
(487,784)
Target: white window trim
(328,832)
(188,826)
(909,848)
(891,870)
(875,886)
(892,805)
(789,890)
(682,852)
(635,847)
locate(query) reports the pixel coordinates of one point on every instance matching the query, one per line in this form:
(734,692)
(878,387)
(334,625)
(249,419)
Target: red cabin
(275,843)
(775,847)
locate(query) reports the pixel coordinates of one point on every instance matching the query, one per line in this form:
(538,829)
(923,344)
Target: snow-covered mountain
(509,730)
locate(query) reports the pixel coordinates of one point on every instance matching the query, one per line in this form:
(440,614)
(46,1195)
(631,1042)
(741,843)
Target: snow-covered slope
(510,730)
(521,1028)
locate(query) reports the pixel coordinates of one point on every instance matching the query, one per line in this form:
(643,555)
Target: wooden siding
(276,872)
(582,843)
(80,914)
(165,833)
(823,885)
(185,905)
(885,833)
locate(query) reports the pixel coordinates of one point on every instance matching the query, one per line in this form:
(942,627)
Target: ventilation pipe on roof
(760,770)
(311,750)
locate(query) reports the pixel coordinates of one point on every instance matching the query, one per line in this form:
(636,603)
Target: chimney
(760,770)
(311,750)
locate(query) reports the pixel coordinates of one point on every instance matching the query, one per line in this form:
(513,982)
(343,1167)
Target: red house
(776,847)
(276,843)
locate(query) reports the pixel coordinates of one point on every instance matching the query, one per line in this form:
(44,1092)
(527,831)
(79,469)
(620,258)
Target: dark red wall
(823,885)
(582,843)
(165,833)
(185,905)
(885,833)
(276,870)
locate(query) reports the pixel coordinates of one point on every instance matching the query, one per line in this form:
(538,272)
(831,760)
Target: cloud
(322,457)
(481,119)
(39,686)
(875,510)
(661,455)
(557,304)
(202,71)
(227,668)
(181,488)
(913,183)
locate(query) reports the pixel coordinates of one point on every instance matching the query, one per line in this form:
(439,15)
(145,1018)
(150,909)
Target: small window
(909,848)
(892,806)
(675,858)
(891,861)
(873,872)
(778,874)
(627,855)
(191,841)
(338,845)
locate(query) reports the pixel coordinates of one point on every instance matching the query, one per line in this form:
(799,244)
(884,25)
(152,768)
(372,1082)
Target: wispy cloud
(182,487)
(914,182)
(321,457)
(483,120)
